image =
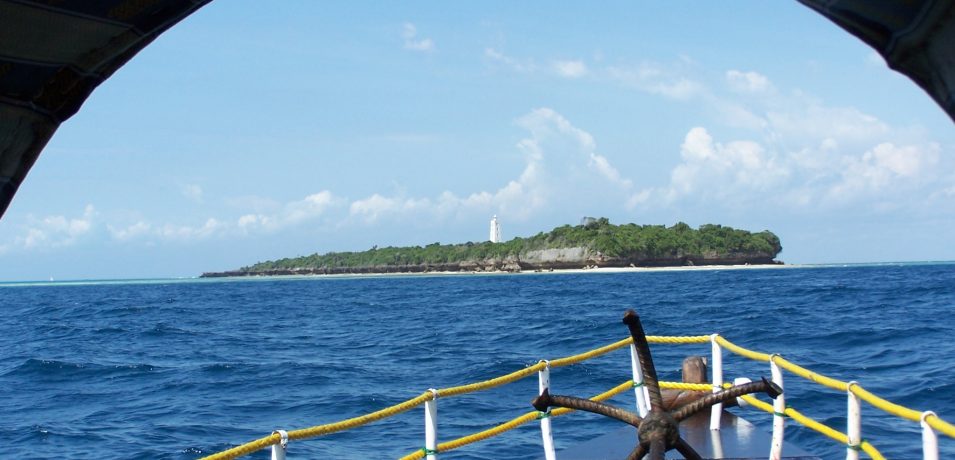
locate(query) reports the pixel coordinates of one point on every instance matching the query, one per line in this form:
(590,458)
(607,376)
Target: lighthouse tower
(495,230)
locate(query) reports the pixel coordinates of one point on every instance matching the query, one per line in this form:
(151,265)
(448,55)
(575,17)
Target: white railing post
(639,389)
(929,439)
(717,410)
(716,440)
(278,450)
(543,383)
(853,424)
(431,426)
(779,409)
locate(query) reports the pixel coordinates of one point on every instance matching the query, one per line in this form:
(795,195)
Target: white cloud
(192,192)
(375,206)
(657,79)
(713,168)
(747,82)
(187,233)
(517,65)
(410,34)
(310,207)
(737,115)
(292,213)
(884,168)
(745,173)
(667,80)
(129,232)
(603,166)
(561,165)
(802,119)
(284,216)
(56,231)
(142,230)
(570,69)
(794,150)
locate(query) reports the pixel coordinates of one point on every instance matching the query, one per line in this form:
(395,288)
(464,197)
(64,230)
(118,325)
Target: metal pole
(717,410)
(278,450)
(853,424)
(779,408)
(431,426)
(639,389)
(716,440)
(543,383)
(929,438)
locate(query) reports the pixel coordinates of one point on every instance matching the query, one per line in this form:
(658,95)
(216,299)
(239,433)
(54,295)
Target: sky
(252,132)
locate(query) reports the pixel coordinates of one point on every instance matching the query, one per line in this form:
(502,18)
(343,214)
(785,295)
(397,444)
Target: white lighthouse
(495,230)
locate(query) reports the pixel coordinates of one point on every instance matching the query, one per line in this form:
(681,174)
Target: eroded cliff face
(573,256)
(537,260)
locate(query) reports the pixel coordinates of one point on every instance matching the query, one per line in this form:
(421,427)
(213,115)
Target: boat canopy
(916,39)
(54,53)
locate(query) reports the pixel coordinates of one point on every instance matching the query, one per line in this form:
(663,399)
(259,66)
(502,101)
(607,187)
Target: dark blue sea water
(177,370)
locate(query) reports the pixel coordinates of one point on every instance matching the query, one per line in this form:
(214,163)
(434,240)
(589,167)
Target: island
(595,243)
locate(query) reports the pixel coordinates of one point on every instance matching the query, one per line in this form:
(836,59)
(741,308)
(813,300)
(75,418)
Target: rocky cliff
(535,260)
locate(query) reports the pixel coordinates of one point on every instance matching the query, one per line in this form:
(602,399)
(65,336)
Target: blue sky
(249,133)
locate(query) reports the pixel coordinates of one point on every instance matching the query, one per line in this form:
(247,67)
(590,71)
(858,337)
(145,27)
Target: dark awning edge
(915,38)
(32,109)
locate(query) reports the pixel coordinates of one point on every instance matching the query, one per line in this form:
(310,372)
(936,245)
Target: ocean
(178,369)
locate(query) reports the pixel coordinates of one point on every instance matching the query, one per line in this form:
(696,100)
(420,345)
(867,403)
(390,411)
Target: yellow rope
(754,355)
(678,339)
(837,435)
(625,342)
(686,386)
(245,449)
(758,404)
(361,420)
(590,354)
(807,374)
(504,379)
(887,406)
(940,425)
(319,430)
(513,423)
(934,421)
(895,409)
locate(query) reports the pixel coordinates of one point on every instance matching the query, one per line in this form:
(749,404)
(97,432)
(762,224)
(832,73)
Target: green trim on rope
(429,451)
(782,414)
(543,415)
(637,385)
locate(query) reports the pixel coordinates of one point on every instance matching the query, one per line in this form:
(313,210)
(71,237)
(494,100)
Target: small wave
(51,369)
(163,329)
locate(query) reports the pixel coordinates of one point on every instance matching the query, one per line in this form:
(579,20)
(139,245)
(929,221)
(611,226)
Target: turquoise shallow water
(179,369)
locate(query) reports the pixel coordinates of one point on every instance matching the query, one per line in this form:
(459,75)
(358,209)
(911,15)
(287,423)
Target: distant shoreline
(555,271)
(605,270)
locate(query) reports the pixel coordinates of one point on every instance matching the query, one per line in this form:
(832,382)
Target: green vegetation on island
(594,243)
